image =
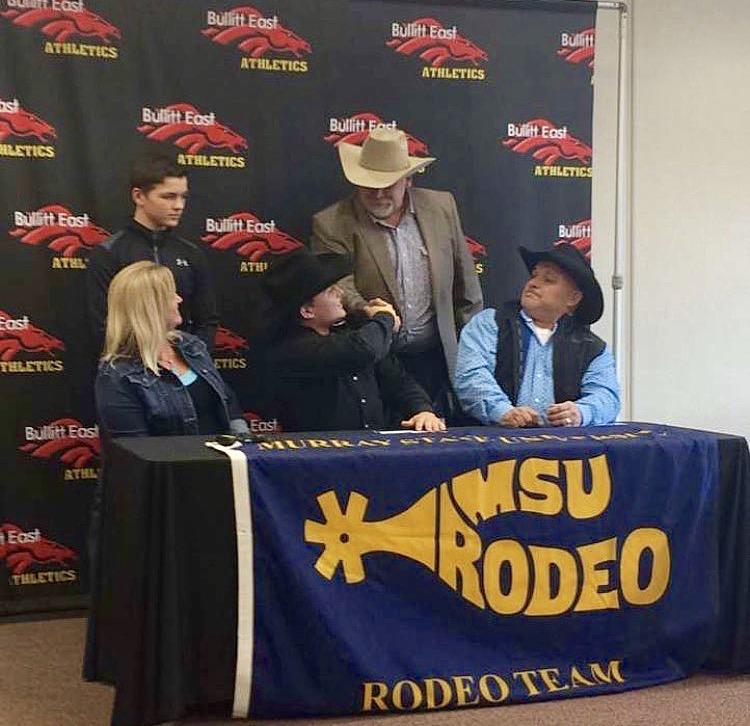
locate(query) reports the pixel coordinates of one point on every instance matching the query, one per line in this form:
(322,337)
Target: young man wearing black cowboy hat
(408,248)
(324,374)
(535,362)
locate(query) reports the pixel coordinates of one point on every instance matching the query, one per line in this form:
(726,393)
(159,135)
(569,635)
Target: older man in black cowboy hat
(324,374)
(535,362)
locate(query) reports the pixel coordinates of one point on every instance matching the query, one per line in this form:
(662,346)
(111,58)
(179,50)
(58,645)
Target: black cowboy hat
(297,276)
(291,280)
(569,259)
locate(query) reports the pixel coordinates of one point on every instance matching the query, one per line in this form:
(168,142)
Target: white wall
(604,203)
(689,282)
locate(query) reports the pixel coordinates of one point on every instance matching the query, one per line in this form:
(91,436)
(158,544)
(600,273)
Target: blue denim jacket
(132,401)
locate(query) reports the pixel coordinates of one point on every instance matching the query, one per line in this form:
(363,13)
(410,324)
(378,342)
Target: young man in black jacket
(159,189)
(329,375)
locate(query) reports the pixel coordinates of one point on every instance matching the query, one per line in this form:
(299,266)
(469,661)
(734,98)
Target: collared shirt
(537,388)
(411,265)
(482,397)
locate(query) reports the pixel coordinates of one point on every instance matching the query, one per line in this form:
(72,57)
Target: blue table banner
(404,571)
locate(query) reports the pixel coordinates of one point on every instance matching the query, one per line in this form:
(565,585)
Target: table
(164,613)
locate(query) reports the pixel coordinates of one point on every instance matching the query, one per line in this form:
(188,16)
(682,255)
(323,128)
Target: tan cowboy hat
(382,160)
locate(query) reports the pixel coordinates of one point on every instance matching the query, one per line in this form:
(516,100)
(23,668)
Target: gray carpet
(40,685)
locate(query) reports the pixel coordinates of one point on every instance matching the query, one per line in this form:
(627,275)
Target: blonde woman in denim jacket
(152,379)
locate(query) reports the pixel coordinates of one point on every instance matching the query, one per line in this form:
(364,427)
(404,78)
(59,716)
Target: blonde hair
(139,301)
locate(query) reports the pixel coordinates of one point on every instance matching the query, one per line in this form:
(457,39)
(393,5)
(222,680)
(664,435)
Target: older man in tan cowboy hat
(408,248)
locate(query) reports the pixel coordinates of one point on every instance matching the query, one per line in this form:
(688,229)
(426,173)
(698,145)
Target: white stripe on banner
(243,518)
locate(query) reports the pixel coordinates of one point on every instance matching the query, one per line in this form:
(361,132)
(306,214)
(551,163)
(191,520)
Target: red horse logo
(254,245)
(583,243)
(67,241)
(582,53)
(549,150)
(62,25)
(438,51)
(191,137)
(476,249)
(29,339)
(20,556)
(227,341)
(24,124)
(416,146)
(256,41)
(73,451)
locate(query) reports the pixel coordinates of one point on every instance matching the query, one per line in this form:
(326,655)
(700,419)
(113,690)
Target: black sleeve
(312,355)
(203,310)
(400,392)
(101,267)
(233,403)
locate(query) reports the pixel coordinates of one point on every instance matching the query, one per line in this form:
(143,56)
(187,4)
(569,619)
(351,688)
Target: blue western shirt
(482,397)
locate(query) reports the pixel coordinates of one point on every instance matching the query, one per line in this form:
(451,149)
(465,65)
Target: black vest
(575,346)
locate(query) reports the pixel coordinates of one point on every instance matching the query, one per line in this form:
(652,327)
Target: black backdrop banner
(253,99)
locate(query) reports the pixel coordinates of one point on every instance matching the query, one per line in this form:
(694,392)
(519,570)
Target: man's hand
(377,302)
(519,417)
(564,414)
(424,421)
(378,305)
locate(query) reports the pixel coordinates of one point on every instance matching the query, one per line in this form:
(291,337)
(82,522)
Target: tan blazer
(346,228)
